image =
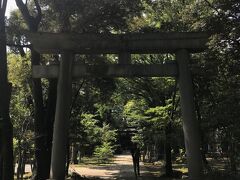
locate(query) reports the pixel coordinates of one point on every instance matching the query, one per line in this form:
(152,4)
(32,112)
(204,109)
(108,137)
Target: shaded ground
(121,168)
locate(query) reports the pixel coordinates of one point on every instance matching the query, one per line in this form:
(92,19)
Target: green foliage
(108,139)
(182,156)
(21,102)
(96,138)
(19,70)
(21,107)
(108,135)
(150,122)
(144,104)
(16,26)
(104,152)
(159,115)
(91,129)
(134,112)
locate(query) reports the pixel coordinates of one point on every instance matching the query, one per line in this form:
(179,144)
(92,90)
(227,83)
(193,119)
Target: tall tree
(43,119)
(6,158)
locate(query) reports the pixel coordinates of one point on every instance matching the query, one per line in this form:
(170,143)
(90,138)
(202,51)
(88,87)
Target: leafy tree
(21,109)
(108,139)
(92,131)
(43,119)
(151,120)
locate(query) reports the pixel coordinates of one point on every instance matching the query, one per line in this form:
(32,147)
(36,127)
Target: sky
(11,5)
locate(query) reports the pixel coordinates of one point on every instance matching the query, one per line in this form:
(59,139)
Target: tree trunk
(43,119)
(43,123)
(5,91)
(23,160)
(68,157)
(39,123)
(168,155)
(80,155)
(19,160)
(203,141)
(144,155)
(7,143)
(74,153)
(150,154)
(1,164)
(14,160)
(232,153)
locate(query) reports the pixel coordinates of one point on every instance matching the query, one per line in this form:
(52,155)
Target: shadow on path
(120,169)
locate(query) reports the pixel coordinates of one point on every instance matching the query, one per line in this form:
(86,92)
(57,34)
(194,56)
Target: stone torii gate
(69,44)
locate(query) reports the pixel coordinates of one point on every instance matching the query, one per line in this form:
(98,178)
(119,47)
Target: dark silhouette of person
(135,151)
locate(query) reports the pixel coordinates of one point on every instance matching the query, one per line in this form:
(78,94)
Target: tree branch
(24,10)
(39,11)
(75,97)
(32,21)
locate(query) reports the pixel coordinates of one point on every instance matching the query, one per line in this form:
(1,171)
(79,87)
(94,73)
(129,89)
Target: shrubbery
(105,151)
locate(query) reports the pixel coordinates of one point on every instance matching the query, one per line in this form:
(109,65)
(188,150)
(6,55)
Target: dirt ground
(121,168)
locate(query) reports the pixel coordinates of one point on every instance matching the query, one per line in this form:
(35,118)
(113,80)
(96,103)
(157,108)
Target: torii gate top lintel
(121,44)
(134,43)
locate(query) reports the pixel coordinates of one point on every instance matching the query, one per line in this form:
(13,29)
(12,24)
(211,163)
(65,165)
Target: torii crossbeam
(181,44)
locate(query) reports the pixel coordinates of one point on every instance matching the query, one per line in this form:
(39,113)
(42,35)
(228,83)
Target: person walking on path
(135,151)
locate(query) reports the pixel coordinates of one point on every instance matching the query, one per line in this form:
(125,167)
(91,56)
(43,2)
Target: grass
(86,161)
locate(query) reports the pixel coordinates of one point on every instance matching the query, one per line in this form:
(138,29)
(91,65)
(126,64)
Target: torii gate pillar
(190,124)
(61,123)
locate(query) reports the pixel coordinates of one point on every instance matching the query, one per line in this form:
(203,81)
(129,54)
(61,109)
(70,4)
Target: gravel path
(121,168)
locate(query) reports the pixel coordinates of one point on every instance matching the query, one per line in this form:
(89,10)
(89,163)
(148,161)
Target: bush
(104,152)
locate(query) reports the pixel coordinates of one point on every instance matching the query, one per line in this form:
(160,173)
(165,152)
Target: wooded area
(130,82)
